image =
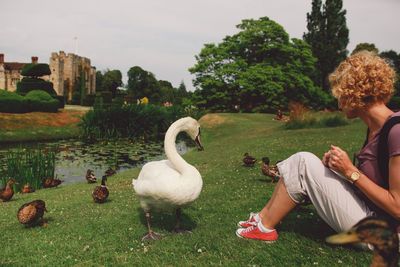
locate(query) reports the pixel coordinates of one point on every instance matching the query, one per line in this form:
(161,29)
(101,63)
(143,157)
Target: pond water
(74,158)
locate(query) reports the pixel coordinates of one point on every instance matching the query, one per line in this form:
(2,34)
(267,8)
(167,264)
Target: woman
(363,83)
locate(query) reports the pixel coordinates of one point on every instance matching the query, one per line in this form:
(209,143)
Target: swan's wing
(155,177)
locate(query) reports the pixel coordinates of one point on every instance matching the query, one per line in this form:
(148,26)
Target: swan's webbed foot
(180,231)
(152,236)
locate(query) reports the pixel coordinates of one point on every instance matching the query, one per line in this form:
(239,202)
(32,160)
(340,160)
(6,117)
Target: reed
(29,165)
(133,121)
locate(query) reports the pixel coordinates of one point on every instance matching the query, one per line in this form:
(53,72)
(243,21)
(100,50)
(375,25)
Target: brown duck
(31,212)
(27,189)
(270,170)
(7,193)
(90,177)
(380,233)
(110,171)
(249,160)
(100,193)
(52,183)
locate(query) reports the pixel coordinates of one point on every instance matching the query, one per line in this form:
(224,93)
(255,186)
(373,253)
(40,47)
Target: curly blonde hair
(362,80)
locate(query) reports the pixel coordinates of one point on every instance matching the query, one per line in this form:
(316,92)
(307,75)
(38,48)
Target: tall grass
(301,117)
(132,121)
(26,165)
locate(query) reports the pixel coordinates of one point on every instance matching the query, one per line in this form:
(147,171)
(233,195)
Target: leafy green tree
(257,69)
(365,46)
(99,81)
(142,83)
(394,60)
(328,36)
(112,79)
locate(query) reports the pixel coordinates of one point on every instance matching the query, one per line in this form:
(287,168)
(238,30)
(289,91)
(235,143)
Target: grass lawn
(83,234)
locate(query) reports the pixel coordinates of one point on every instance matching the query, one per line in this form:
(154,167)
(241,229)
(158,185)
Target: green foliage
(28,84)
(11,102)
(61,100)
(258,68)
(142,83)
(111,80)
(365,46)
(394,103)
(33,166)
(35,70)
(328,36)
(310,120)
(99,81)
(133,121)
(394,60)
(39,100)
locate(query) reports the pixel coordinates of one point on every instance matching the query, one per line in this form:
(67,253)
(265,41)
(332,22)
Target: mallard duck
(31,212)
(168,185)
(90,177)
(110,171)
(52,182)
(7,193)
(27,189)
(249,160)
(269,170)
(380,233)
(100,193)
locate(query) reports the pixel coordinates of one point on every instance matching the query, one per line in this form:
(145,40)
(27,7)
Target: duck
(27,189)
(7,193)
(90,177)
(269,170)
(168,185)
(100,193)
(31,212)
(52,182)
(249,160)
(377,231)
(110,171)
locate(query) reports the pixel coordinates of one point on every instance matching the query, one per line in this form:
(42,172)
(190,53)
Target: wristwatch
(354,177)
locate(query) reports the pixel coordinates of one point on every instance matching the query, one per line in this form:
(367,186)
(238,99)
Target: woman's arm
(387,200)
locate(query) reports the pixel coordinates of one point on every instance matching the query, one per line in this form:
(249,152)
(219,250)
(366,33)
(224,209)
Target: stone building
(67,69)
(10,73)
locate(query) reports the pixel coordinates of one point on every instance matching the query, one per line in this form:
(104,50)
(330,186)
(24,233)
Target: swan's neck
(170,149)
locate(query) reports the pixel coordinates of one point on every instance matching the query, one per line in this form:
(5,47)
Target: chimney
(34,60)
(1,58)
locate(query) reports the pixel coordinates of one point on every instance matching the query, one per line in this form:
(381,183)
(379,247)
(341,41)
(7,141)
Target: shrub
(35,70)
(28,84)
(39,100)
(11,102)
(61,100)
(148,121)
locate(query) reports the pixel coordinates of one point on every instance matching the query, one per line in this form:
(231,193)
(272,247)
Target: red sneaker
(250,222)
(253,232)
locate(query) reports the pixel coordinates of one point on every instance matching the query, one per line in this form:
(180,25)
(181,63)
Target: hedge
(11,102)
(36,70)
(39,100)
(28,84)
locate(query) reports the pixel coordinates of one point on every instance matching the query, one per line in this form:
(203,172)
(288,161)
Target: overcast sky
(163,36)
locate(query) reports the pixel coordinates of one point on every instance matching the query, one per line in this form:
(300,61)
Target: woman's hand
(338,160)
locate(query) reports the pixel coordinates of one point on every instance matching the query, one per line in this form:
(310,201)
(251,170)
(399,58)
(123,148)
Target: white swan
(167,185)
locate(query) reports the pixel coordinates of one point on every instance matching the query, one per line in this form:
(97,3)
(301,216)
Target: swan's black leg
(151,235)
(177,229)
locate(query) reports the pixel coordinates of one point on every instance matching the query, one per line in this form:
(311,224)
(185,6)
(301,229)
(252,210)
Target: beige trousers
(307,179)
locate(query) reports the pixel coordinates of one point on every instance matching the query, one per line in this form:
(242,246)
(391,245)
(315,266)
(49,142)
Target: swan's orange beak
(198,143)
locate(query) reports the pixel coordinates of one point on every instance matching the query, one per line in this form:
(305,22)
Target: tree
(258,69)
(328,36)
(31,80)
(394,60)
(112,79)
(365,46)
(99,81)
(143,83)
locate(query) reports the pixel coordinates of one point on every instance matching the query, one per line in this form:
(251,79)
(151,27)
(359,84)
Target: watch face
(354,176)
